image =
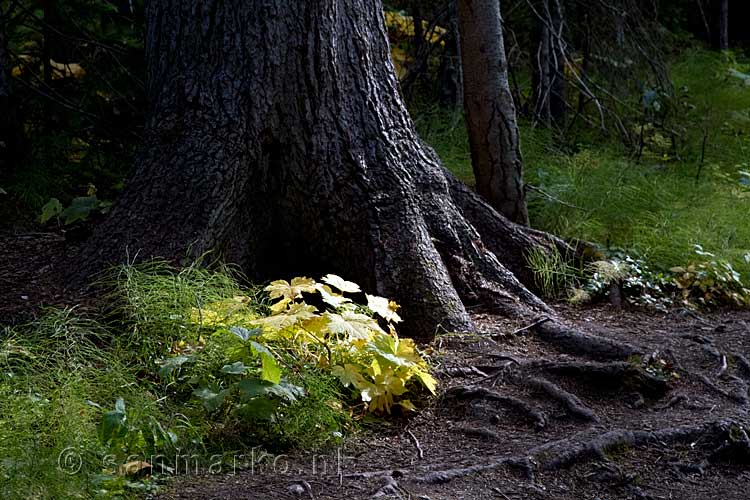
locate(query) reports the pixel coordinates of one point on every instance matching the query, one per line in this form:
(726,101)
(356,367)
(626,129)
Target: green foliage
(638,283)
(192,364)
(258,355)
(711,282)
(553,274)
(56,375)
(78,210)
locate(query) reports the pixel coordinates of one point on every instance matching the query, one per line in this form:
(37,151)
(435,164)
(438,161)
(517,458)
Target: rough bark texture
(549,65)
(489,108)
(277,137)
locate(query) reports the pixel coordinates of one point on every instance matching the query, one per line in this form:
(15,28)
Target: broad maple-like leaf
(349,375)
(341,284)
(385,308)
(354,325)
(330,297)
(282,289)
(297,313)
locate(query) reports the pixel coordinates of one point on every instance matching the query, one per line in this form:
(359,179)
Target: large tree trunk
(277,137)
(489,108)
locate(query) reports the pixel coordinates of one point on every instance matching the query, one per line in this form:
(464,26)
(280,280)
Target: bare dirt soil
(519,418)
(655,407)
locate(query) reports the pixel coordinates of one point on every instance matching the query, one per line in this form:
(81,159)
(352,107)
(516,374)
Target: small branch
(535,323)
(551,197)
(420,452)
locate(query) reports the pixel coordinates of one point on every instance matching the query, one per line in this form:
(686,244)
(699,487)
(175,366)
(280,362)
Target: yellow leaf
(297,313)
(355,326)
(407,405)
(386,309)
(341,284)
(349,375)
(427,380)
(329,297)
(284,289)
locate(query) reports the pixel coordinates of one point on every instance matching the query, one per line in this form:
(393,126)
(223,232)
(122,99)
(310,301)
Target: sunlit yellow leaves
(331,298)
(384,308)
(349,375)
(354,325)
(296,313)
(344,338)
(294,290)
(341,284)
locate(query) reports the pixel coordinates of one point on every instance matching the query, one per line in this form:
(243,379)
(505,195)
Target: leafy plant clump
(246,364)
(711,283)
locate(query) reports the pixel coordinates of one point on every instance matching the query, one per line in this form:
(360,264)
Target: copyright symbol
(69,461)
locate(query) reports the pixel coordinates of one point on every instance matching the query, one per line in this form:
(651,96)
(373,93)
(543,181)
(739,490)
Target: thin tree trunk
(489,108)
(277,138)
(548,73)
(723,24)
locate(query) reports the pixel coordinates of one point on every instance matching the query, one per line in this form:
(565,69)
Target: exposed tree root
(729,435)
(572,404)
(533,414)
(613,372)
(481,432)
(739,395)
(583,344)
(742,363)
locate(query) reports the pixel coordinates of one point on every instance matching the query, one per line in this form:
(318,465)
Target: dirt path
(521,419)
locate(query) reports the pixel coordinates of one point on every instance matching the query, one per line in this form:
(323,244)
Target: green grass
(60,378)
(652,207)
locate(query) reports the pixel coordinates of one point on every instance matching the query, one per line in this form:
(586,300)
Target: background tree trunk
(548,73)
(489,108)
(11,136)
(277,137)
(723,24)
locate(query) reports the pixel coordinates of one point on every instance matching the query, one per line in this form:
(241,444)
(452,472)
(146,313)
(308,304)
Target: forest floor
(474,442)
(516,418)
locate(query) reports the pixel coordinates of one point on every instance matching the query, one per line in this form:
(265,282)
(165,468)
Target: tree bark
(723,24)
(277,138)
(490,112)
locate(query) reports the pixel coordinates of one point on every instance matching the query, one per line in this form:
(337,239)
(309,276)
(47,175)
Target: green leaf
(259,348)
(112,425)
(270,370)
(79,209)
(237,368)
(253,387)
(287,391)
(212,398)
(244,333)
(52,208)
(167,366)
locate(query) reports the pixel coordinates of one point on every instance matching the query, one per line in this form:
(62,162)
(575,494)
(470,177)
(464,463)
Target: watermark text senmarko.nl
(256,461)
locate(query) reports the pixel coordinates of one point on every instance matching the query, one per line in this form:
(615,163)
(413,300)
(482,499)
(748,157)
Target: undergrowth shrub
(190,363)
(279,378)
